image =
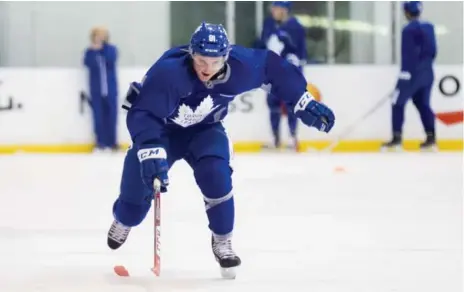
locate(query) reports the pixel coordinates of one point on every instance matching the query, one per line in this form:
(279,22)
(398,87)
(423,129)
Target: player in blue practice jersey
(176,113)
(285,36)
(418,52)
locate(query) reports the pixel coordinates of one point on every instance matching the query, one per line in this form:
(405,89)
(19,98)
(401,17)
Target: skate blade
(156,271)
(281,149)
(229,273)
(393,149)
(429,149)
(269,148)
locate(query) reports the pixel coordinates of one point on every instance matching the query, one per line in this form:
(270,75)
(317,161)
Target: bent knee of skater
(214,176)
(130,214)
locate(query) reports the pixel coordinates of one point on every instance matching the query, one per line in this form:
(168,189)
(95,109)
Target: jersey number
(212,38)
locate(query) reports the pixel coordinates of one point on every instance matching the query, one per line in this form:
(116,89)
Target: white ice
(389,222)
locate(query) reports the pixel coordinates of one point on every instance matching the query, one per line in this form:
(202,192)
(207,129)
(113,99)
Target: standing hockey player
(418,51)
(176,113)
(100,59)
(284,35)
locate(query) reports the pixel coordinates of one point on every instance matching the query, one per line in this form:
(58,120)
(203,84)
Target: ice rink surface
(385,222)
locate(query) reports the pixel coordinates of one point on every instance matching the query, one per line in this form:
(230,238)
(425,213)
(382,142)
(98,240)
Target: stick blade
(156,270)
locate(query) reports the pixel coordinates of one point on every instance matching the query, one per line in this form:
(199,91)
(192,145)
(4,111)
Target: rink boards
(46,110)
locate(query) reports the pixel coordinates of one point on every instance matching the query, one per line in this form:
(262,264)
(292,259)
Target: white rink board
(50,105)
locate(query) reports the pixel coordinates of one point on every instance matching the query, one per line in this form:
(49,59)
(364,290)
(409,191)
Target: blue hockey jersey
(102,70)
(285,39)
(173,98)
(418,51)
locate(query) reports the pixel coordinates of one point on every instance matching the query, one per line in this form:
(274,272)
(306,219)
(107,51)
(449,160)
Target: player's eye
(200,62)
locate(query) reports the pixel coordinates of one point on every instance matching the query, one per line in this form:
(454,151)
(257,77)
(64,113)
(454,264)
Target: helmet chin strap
(220,73)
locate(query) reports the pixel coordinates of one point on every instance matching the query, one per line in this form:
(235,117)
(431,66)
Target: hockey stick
(122,270)
(354,125)
(157,231)
(157,222)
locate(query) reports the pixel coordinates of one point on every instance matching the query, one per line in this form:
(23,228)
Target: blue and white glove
(153,164)
(131,95)
(314,114)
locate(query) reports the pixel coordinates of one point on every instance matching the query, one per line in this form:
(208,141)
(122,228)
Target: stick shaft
(157,229)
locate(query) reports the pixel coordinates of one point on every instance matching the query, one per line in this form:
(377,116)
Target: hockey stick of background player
(157,228)
(354,125)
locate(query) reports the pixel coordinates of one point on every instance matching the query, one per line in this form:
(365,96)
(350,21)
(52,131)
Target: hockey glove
(132,94)
(153,164)
(314,114)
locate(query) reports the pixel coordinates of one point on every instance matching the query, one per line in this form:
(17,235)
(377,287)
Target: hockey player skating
(285,36)
(418,52)
(176,113)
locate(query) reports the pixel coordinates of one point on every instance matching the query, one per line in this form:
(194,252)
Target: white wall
(56,33)
(50,106)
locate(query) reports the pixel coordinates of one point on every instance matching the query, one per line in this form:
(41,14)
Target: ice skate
(275,146)
(393,145)
(117,235)
(430,144)
(225,256)
(294,145)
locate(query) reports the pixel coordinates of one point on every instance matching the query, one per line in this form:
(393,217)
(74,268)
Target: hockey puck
(121,271)
(340,169)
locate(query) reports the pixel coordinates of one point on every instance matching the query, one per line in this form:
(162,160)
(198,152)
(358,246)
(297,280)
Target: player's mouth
(205,75)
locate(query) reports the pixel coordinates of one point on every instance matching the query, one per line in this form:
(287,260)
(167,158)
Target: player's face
(206,67)
(278,13)
(407,16)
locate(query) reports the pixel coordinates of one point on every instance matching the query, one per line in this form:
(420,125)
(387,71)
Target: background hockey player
(284,35)
(176,113)
(418,51)
(100,59)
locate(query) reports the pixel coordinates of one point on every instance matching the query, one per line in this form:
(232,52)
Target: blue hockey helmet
(283,4)
(413,7)
(210,40)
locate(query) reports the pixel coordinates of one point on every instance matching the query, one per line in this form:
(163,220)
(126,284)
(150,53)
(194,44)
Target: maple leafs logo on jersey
(187,116)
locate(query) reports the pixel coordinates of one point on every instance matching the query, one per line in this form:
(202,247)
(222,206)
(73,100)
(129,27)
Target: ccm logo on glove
(151,153)
(303,102)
